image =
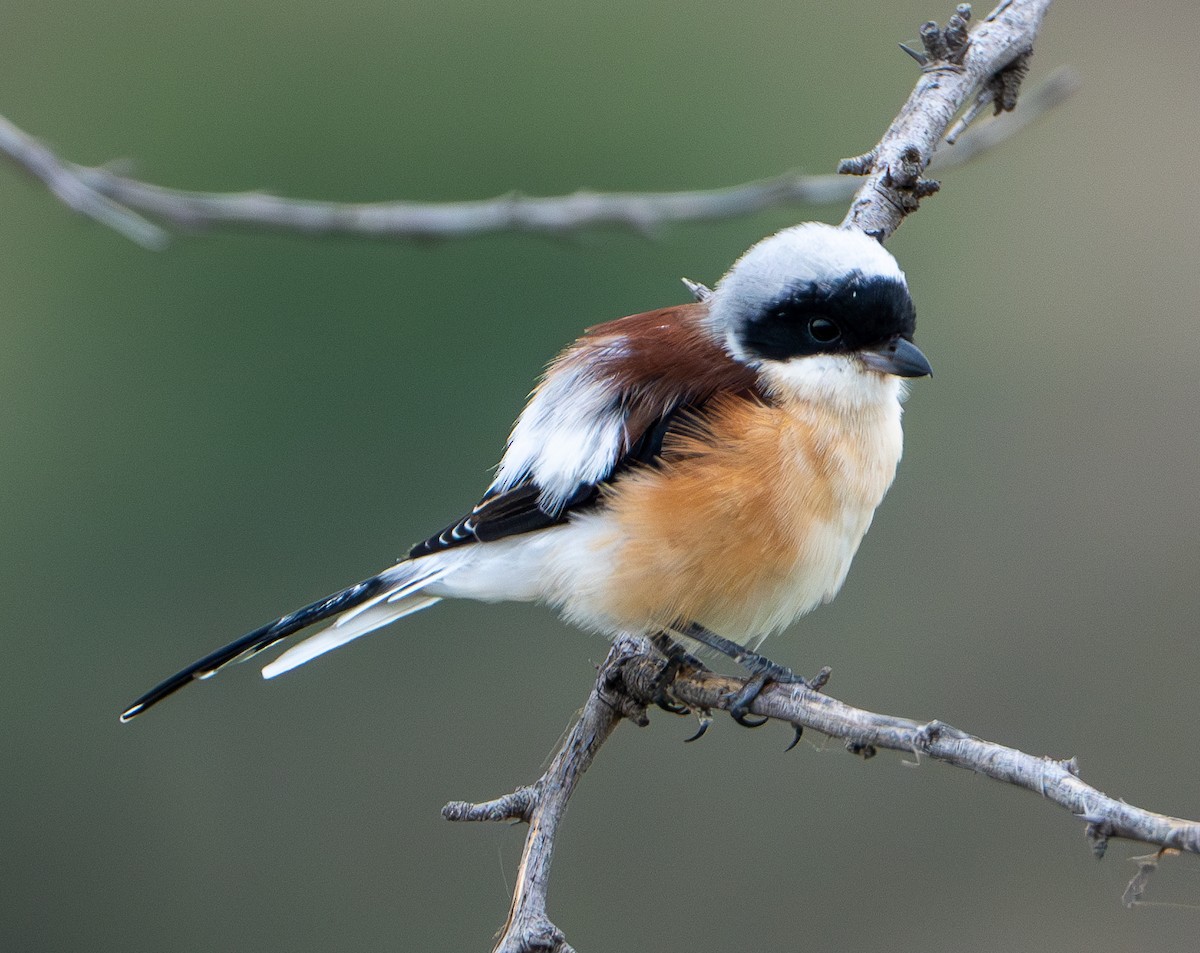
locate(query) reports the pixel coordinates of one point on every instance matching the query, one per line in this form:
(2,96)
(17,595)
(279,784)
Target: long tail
(360,608)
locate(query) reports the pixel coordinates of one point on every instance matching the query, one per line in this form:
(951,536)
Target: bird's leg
(762,670)
(677,658)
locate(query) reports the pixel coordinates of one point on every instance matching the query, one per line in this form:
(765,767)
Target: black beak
(899,356)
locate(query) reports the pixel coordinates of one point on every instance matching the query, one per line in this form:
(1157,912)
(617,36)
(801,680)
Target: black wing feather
(497,516)
(519,510)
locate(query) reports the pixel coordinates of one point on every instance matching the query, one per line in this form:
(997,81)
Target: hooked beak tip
(900,358)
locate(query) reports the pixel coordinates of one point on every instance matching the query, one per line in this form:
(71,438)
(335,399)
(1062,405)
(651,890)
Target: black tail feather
(260,639)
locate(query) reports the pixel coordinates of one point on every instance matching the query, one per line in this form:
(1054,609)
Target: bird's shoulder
(604,392)
(661,353)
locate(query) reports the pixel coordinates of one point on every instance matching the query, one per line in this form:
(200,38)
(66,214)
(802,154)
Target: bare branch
(518,806)
(544,803)
(987,64)
(866,732)
(630,680)
(67,183)
(141,211)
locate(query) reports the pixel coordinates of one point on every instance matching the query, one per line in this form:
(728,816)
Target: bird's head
(821,310)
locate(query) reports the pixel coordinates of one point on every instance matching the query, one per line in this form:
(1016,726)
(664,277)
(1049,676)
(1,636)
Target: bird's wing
(604,405)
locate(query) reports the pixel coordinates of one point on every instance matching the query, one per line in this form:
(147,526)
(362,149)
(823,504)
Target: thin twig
(957,66)
(66,181)
(142,211)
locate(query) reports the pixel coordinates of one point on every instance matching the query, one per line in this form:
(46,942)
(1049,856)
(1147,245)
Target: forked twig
(984,66)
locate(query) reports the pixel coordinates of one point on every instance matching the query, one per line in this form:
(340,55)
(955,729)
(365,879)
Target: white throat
(837,382)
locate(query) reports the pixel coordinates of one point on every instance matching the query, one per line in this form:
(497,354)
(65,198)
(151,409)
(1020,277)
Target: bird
(702,473)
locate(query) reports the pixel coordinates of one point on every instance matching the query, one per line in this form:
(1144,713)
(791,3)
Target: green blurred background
(193,441)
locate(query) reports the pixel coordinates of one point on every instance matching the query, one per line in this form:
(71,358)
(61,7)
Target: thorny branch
(628,683)
(140,210)
(866,732)
(961,70)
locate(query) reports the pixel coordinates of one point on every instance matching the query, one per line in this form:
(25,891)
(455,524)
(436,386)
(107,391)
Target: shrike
(703,471)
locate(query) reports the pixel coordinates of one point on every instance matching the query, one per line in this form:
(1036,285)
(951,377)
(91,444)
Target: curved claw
(739,715)
(665,703)
(799,729)
(705,720)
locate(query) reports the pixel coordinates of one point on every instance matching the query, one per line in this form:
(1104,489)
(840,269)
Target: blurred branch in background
(144,212)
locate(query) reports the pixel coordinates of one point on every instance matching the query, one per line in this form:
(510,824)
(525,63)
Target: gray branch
(143,212)
(865,732)
(960,70)
(544,803)
(629,681)
(963,72)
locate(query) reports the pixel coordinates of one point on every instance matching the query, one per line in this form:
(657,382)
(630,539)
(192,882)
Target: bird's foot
(704,716)
(762,672)
(662,696)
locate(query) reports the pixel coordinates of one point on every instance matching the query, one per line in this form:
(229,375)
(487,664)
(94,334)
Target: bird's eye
(823,330)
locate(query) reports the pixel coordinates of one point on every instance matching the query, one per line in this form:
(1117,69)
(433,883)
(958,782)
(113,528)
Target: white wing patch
(570,433)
